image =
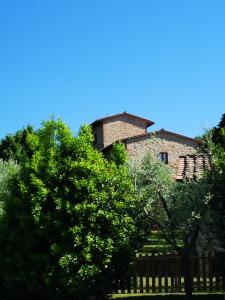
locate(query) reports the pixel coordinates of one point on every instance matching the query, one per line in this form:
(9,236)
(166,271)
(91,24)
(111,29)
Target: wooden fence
(165,274)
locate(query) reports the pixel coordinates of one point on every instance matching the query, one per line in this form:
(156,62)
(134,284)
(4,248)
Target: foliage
(216,146)
(16,146)
(178,209)
(70,226)
(8,171)
(218,133)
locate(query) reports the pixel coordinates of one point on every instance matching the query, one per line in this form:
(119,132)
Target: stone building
(176,150)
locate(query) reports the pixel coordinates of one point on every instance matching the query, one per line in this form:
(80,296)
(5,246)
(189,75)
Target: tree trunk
(187,274)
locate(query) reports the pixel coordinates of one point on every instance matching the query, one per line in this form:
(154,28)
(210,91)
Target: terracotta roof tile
(192,166)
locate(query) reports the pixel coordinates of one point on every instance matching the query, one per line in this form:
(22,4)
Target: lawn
(168,297)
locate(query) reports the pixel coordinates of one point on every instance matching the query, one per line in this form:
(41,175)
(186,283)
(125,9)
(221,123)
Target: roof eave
(148,122)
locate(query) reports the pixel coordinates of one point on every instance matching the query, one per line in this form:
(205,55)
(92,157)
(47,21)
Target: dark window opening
(163,156)
(95,138)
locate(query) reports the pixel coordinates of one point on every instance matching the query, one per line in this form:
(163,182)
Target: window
(163,156)
(95,138)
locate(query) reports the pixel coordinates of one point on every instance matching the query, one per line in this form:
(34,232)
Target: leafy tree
(216,146)
(179,209)
(70,225)
(8,172)
(16,146)
(214,141)
(218,132)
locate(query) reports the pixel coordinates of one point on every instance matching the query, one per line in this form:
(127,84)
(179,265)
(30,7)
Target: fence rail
(165,274)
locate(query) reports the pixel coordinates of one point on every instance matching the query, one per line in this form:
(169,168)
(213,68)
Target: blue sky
(81,60)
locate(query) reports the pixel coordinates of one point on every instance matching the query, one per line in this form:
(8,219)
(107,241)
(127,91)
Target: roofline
(152,134)
(162,131)
(180,135)
(137,136)
(149,122)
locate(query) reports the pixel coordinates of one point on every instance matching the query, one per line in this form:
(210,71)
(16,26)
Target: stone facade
(122,128)
(161,142)
(114,128)
(132,130)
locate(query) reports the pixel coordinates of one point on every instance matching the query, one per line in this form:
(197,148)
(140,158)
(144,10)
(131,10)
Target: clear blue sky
(81,60)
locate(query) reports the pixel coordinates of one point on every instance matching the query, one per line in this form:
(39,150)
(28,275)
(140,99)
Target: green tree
(214,141)
(8,172)
(16,146)
(70,226)
(216,147)
(218,132)
(180,210)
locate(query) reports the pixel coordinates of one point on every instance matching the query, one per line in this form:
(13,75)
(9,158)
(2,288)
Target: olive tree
(180,210)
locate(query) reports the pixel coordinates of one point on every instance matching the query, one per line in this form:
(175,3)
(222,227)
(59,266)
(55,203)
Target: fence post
(187,274)
(153,273)
(147,270)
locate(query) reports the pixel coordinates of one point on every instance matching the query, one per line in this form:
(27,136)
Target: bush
(69,227)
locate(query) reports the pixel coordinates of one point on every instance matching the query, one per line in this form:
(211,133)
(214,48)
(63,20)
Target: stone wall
(175,146)
(122,127)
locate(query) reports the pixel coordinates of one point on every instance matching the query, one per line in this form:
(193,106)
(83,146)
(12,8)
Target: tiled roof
(148,122)
(192,166)
(154,133)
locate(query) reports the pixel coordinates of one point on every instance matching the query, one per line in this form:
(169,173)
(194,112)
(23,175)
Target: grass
(196,296)
(209,286)
(156,243)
